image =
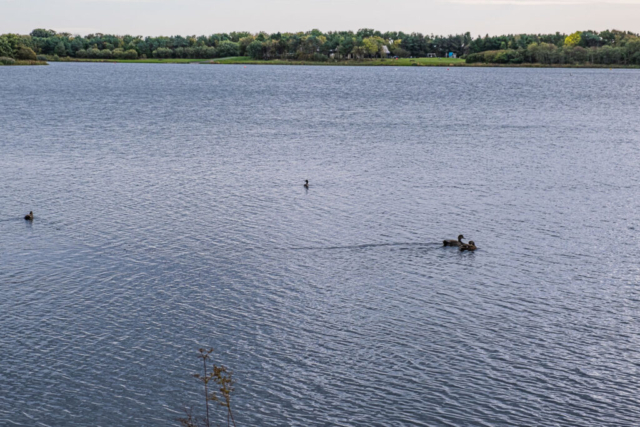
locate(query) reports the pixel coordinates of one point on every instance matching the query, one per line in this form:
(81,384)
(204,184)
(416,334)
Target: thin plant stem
(206,391)
(231,413)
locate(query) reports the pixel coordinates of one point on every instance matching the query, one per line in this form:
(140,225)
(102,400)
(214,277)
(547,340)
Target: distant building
(452,55)
(431,55)
(385,51)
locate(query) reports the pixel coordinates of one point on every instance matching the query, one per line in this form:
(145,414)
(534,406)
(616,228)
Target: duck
(29,217)
(454,242)
(471,246)
(306,183)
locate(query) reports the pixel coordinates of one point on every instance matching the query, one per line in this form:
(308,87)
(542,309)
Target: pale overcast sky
(187,17)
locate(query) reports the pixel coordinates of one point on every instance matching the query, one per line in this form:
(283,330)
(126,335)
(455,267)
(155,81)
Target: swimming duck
(454,242)
(306,183)
(29,217)
(471,246)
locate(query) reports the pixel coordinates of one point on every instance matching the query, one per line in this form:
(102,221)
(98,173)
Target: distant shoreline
(366,47)
(402,62)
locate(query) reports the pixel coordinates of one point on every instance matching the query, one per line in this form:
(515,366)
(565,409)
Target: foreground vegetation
(222,380)
(364,47)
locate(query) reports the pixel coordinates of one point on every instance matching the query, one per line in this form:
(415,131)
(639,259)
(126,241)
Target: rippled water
(170,214)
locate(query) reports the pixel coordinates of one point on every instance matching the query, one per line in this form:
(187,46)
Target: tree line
(606,47)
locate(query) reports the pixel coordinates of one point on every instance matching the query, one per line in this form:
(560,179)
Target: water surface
(170,215)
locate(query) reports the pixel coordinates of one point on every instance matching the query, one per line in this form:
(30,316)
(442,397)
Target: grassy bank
(23,63)
(140,61)
(246,60)
(402,62)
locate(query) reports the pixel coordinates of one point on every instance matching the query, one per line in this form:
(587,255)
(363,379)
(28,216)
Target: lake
(170,214)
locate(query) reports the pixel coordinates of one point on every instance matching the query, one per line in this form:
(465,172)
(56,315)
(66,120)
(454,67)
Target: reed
(223,379)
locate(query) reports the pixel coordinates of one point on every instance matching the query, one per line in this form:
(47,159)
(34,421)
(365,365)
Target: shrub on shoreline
(549,54)
(10,61)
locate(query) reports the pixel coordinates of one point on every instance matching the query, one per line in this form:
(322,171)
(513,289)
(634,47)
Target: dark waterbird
(306,183)
(29,217)
(454,242)
(471,246)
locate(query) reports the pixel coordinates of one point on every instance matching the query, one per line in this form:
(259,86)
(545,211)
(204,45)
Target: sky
(203,17)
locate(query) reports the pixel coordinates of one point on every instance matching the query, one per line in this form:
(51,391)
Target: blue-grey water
(170,215)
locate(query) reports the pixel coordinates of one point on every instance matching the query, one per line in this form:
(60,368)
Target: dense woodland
(606,47)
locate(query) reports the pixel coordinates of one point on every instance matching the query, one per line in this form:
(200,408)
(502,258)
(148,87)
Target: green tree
(371,45)
(228,48)
(543,53)
(590,39)
(359,52)
(60,50)
(244,42)
(26,53)
(254,50)
(41,32)
(93,53)
(573,39)
(346,46)
(578,54)
(76,44)
(131,54)
(633,51)
(367,32)
(162,52)
(5,48)
(237,35)
(270,49)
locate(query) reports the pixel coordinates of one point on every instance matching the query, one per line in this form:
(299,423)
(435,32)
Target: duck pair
(471,246)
